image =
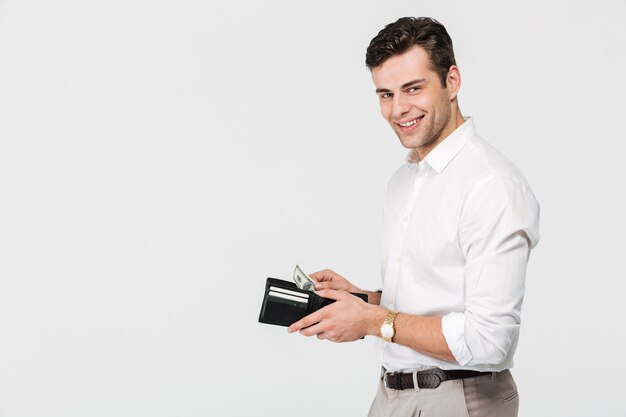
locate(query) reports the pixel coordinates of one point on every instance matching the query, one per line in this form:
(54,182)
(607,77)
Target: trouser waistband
(428,378)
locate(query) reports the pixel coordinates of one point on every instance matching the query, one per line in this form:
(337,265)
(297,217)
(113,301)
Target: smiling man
(459,224)
(422,111)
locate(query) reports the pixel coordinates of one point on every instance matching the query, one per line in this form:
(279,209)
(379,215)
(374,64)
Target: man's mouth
(410,124)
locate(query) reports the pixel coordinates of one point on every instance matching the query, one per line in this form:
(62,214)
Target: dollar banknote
(302,280)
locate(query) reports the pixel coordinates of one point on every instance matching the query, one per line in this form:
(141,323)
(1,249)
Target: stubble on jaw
(433,134)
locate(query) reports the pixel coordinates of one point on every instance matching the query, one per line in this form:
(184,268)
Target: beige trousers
(493,395)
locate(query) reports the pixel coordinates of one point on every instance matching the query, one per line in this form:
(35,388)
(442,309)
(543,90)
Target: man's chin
(409,143)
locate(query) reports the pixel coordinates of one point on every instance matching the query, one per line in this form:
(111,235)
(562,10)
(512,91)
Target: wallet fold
(284,303)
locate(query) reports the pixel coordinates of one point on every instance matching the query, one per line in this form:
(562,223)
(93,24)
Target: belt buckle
(386,374)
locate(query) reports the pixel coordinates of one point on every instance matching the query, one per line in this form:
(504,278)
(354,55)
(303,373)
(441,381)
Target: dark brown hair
(406,32)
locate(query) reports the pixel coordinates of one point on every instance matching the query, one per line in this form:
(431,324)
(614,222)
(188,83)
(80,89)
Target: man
(459,223)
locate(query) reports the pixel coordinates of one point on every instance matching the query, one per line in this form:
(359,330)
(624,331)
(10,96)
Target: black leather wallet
(284,303)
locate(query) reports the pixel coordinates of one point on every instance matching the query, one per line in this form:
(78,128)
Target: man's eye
(385,95)
(413,90)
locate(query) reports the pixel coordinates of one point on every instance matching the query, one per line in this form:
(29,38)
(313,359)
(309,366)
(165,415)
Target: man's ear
(453,81)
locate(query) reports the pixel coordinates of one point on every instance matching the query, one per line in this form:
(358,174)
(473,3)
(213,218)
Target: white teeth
(407,124)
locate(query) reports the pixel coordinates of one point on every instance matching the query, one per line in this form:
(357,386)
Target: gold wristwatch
(387,331)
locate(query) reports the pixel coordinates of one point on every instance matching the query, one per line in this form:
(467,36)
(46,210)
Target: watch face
(386,331)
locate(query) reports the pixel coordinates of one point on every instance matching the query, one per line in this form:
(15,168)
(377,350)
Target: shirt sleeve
(499,225)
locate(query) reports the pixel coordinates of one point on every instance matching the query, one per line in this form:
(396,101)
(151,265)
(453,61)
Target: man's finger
(316,329)
(322,336)
(332,294)
(325,275)
(305,322)
(321,285)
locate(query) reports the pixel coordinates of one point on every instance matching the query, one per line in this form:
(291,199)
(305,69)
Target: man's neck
(455,121)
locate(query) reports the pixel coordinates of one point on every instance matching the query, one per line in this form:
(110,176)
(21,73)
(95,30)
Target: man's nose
(400,105)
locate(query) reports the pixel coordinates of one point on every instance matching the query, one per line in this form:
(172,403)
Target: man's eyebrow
(405,85)
(412,82)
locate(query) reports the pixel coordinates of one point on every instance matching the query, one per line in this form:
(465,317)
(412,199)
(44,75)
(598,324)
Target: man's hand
(328,279)
(348,318)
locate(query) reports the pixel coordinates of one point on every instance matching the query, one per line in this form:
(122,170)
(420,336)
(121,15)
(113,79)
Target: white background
(159,160)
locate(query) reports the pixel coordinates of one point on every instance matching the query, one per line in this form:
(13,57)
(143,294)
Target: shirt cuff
(453,329)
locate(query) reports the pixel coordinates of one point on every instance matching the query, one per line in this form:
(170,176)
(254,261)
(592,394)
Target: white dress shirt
(457,233)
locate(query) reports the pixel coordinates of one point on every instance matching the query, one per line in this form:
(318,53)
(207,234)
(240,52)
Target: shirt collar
(446,150)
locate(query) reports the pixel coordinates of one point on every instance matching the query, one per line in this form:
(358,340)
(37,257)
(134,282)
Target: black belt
(429,378)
